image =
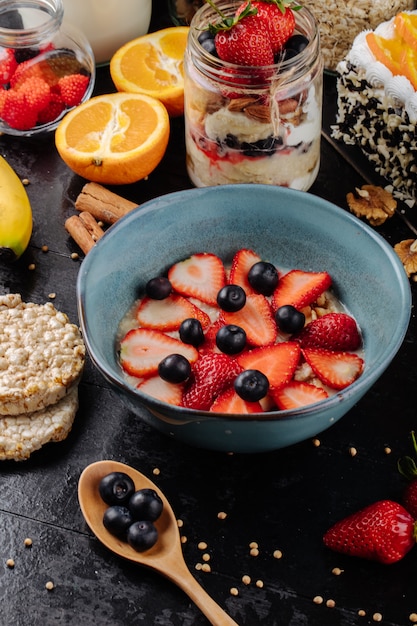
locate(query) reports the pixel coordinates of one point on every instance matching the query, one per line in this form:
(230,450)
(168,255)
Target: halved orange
(114,139)
(154,65)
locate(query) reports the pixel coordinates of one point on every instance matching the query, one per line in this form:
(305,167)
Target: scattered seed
(28,542)
(361,613)
(254,552)
(206,567)
(184,539)
(45,248)
(318,600)
(330,604)
(246,579)
(49,585)
(234,591)
(259,583)
(25,182)
(337,571)
(10,563)
(180,523)
(206,557)
(100,223)
(387,450)
(277,554)
(413,618)
(52,296)
(377,617)
(75,256)
(222,515)
(316,442)
(253,544)
(198,566)
(353,451)
(202,545)
(156,471)
(31,266)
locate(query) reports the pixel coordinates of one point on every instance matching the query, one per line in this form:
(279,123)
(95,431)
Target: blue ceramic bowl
(292,229)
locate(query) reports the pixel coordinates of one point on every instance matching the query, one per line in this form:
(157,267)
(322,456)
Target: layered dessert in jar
(253,95)
(377,101)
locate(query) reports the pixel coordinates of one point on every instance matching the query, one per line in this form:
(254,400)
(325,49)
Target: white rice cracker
(42,355)
(20,435)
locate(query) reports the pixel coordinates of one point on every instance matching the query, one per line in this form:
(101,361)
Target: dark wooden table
(282,500)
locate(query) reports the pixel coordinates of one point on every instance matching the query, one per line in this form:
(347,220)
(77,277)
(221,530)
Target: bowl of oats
(242,318)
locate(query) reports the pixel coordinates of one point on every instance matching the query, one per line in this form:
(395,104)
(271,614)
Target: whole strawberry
(383,531)
(333,331)
(278,18)
(408,468)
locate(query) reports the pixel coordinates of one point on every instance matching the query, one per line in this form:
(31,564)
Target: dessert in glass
(253,124)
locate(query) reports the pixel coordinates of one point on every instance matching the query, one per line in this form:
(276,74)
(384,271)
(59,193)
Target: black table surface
(282,500)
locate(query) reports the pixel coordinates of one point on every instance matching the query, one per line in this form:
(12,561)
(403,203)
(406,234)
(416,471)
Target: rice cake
(20,435)
(42,355)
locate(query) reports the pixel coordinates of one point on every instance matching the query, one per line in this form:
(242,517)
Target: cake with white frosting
(377,105)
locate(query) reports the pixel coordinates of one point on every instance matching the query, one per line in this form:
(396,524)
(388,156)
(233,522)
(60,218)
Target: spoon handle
(182,576)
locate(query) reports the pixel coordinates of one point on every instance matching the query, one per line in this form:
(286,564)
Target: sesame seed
(254,552)
(234,591)
(253,544)
(387,450)
(25,182)
(330,604)
(28,542)
(318,600)
(277,554)
(206,567)
(45,248)
(10,563)
(316,442)
(259,583)
(413,618)
(246,579)
(206,557)
(75,256)
(377,617)
(49,585)
(184,539)
(353,451)
(31,266)
(156,471)
(202,545)
(198,566)
(337,571)
(361,613)
(222,515)
(180,523)
(52,296)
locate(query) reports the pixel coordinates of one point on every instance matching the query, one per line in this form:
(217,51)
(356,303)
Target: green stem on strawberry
(228,22)
(407,465)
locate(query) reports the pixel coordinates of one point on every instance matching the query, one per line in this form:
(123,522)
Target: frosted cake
(377,101)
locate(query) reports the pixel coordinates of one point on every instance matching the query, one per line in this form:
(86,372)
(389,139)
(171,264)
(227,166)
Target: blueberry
(142,535)
(191,332)
(145,504)
(158,288)
(296,43)
(263,277)
(289,319)
(117,519)
(231,339)
(174,368)
(116,488)
(206,41)
(251,385)
(231,298)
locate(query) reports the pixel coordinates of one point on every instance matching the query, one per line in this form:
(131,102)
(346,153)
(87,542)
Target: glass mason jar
(340,23)
(250,124)
(45,70)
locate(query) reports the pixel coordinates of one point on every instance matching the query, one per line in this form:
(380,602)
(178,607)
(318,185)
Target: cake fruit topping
(221,344)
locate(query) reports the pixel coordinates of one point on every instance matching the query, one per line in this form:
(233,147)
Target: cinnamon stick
(79,233)
(102,204)
(91,225)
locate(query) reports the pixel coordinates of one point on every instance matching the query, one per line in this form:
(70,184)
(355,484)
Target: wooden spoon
(165,556)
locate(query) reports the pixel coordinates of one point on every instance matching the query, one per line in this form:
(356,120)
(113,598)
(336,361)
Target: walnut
(407,251)
(372,202)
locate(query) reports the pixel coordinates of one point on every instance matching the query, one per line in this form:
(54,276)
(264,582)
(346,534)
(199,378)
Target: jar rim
(53,10)
(305,23)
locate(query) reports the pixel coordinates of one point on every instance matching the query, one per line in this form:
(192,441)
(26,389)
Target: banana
(15,214)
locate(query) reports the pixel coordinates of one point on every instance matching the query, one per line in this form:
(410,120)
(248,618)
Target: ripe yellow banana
(15,214)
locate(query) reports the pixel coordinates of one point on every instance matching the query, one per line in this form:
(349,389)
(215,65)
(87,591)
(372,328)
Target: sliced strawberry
(169,313)
(257,320)
(142,349)
(230,402)
(241,264)
(209,343)
(300,288)
(162,390)
(335,369)
(211,375)
(200,276)
(333,331)
(297,394)
(277,362)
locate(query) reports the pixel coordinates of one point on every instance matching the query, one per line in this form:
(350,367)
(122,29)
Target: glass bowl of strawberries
(45,69)
(241,331)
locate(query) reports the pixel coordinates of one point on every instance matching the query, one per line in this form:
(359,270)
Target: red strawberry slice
(230,402)
(382,531)
(169,313)
(209,344)
(211,375)
(335,369)
(162,390)
(241,264)
(277,362)
(142,349)
(297,394)
(257,320)
(200,276)
(300,288)
(333,331)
